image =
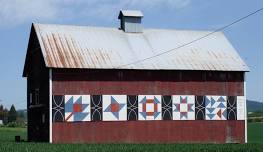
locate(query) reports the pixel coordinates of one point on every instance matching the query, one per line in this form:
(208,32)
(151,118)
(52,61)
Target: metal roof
(66,46)
(131,13)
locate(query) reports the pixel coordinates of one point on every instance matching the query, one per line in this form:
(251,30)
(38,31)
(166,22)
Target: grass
(255,132)
(7,134)
(255,139)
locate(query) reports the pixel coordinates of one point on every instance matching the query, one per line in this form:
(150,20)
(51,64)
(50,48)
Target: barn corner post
(50,105)
(245,94)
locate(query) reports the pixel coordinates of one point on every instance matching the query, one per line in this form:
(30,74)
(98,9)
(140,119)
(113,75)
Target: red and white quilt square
(183,107)
(149,107)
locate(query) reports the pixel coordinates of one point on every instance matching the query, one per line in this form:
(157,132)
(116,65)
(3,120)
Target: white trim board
(245,97)
(50,105)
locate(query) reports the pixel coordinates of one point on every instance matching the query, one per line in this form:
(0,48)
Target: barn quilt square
(231,108)
(114,107)
(183,107)
(216,108)
(96,107)
(77,108)
(132,107)
(167,108)
(200,107)
(58,111)
(150,107)
(241,101)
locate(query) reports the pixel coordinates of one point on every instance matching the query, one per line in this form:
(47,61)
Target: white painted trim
(50,105)
(245,96)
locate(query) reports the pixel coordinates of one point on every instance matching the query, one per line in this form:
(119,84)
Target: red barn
(115,85)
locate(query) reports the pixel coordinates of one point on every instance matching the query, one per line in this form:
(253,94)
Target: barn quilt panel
(96,108)
(114,107)
(58,108)
(77,108)
(216,108)
(132,107)
(232,108)
(71,108)
(167,108)
(149,107)
(200,107)
(241,108)
(183,107)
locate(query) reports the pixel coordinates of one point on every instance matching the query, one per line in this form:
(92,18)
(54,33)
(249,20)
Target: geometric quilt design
(77,108)
(231,108)
(114,107)
(72,108)
(96,107)
(58,112)
(216,108)
(150,107)
(183,107)
(132,107)
(200,107)
(167,108)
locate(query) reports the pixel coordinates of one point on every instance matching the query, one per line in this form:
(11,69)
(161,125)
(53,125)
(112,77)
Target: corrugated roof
(108,48)
(133,13)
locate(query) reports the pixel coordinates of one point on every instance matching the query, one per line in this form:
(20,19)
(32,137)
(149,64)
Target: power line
(193,41)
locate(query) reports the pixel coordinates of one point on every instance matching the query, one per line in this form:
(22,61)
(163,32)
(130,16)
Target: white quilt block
(183,107)
(149,107)
(77,108)
(114,107)
(216,107)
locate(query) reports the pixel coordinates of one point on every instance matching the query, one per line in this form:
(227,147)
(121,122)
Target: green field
(255,139)
(255,133)
(8,134)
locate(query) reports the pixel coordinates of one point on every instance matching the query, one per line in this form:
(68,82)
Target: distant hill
(253,106)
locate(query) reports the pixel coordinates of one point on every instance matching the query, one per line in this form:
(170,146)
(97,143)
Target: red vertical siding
(150,132)
(148,87)
(147,82)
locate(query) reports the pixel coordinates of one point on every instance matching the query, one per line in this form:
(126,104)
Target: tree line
(12,117)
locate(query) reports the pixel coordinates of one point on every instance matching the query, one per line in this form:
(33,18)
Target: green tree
(12,114)
(3,114)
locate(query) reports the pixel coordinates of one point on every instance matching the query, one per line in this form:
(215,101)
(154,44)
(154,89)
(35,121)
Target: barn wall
(150,132)
(37,93)
(138,82)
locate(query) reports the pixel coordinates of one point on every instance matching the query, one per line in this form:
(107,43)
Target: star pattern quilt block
(114,107)
(183,107)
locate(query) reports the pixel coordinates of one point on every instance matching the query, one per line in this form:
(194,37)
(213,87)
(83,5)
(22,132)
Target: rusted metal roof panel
(109,48)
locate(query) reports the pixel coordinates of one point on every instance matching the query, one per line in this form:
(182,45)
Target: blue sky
(16,17)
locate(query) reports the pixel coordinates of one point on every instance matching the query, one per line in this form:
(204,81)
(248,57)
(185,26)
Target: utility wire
(193,41)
